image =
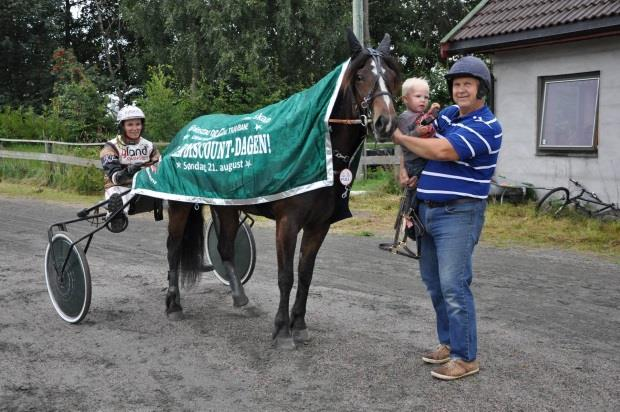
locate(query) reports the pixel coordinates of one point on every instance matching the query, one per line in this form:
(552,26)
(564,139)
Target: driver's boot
(119,222)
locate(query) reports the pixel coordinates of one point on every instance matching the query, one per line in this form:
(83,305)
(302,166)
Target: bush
(21,123)
(166,113)
(77,101)
(83,180)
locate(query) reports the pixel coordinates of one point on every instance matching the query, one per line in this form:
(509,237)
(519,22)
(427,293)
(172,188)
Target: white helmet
(129,112)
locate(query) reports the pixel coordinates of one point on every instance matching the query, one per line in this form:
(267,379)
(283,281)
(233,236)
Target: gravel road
(549,330)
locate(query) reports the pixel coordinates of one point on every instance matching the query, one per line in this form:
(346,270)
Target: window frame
(547,150)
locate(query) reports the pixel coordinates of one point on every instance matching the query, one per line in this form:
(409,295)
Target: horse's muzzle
(383,127)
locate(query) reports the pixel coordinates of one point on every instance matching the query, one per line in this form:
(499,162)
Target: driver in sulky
(122,157)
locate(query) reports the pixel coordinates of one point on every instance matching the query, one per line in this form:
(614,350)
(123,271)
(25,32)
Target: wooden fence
(50,156)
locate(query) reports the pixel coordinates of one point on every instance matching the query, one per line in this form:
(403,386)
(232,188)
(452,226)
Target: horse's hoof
(239,301)
(301,337)
(175,316)
(284,343)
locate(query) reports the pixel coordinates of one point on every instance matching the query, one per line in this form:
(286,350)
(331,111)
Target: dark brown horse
(367,92)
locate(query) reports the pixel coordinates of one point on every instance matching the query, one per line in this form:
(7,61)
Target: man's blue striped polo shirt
(477,138)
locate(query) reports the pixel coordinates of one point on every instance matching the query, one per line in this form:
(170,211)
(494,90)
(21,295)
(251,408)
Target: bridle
(366,102)
(364,114)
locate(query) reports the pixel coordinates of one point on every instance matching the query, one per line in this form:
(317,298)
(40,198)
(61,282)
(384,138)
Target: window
(568,113)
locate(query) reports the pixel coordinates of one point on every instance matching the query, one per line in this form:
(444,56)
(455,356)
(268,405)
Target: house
(556,67)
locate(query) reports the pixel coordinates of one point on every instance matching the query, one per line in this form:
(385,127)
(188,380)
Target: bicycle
(586,202)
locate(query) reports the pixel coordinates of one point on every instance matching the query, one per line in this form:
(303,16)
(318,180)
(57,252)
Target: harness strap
(346,121)
(363,121)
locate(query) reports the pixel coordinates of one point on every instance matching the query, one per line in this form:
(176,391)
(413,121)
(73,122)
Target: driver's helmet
(129,112)
(474,67)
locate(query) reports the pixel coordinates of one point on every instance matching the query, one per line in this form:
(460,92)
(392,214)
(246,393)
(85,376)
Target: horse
(364,100)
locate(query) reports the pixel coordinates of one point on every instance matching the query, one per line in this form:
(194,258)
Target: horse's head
(375,79)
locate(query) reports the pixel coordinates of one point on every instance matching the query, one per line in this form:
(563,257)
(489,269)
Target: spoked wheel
(553,203)
(69,288)
(245,253)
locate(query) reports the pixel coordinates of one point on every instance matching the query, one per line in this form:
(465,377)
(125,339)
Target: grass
(33,191)
(506,225)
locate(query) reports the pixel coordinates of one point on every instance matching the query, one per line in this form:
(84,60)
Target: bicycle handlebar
(584,190)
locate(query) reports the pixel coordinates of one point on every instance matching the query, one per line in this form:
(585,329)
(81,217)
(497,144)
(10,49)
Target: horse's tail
(192,248)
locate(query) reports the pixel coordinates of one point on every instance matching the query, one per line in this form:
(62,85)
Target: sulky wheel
(69,289)
(245,253)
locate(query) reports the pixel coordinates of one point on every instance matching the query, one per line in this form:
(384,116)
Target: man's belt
(432,204)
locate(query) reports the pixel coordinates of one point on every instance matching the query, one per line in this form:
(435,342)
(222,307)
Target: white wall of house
(516,106)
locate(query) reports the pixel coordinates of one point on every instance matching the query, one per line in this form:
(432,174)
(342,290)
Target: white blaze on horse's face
(382,88)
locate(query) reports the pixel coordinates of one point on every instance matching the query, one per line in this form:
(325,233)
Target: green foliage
(438,84)
(29,32)
(247,93)
(83,180)
(416,28)
(165,111)
(77,99)
(24,123)
(233,47)
(218,56)
(379,180)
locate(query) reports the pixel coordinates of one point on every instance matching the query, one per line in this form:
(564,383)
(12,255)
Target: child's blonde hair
(412,83)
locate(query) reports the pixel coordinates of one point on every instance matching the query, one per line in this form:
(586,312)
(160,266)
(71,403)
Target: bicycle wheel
(553,202)
(69,289)
(245,253)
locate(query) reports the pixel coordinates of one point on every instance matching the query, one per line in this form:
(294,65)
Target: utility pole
(358,20)
(360,16)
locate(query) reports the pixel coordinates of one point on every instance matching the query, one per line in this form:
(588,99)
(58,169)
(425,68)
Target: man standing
(452,193)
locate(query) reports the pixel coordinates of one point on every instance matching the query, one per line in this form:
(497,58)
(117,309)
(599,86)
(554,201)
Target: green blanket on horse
(278,151)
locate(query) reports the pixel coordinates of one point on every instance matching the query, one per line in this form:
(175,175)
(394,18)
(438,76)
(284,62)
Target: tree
(102,41)
(29,33)
(249,47)
(416,27)
(77,100)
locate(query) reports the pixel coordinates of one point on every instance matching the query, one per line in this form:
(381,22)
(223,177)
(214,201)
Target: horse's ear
(354,44)
(384,46)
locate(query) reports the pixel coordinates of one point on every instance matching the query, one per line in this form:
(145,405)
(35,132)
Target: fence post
(48,147)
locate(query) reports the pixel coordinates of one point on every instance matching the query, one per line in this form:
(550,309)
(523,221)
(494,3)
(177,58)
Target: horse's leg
(286,239)
(229,224)
(310,244)
(177,218)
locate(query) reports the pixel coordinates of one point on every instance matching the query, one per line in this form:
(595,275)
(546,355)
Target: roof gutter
(556,34)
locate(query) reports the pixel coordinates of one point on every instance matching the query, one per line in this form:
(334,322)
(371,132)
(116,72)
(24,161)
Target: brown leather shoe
(439,355)
(455,369)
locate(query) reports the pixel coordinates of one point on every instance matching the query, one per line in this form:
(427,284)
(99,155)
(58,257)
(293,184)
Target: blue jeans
(445,264)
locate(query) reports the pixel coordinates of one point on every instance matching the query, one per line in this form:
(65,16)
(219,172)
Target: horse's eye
(359,77)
